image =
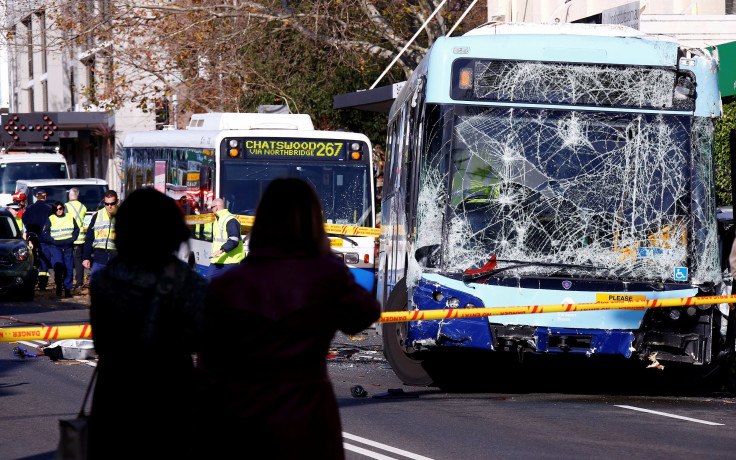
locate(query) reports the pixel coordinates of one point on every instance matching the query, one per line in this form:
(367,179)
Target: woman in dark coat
(147,313)
(268,327)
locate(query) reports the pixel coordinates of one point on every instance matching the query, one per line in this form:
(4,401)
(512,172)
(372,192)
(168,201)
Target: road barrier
(84,331)
(13,334)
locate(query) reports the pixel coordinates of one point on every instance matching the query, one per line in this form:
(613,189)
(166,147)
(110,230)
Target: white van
(91,192)
(21,165)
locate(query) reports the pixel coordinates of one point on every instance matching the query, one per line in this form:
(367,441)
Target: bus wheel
(407,368)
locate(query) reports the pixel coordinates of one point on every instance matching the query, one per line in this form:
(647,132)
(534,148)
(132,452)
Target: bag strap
(86,394)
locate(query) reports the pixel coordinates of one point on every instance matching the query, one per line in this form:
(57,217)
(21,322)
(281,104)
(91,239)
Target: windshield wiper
(344,237)
(520,264)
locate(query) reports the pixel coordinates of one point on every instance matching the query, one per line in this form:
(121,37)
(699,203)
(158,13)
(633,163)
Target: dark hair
(57,204)
(149,227)
(289,218)
(111,194)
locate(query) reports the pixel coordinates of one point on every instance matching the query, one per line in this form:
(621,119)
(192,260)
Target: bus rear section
(558,166)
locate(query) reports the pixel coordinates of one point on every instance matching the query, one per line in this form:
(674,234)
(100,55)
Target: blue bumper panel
(588,341)
(465,332)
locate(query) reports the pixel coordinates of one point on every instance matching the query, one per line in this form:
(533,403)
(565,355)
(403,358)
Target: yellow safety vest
(62,228)
(19,221)
(219,237)
(203,231)
(78,211)
(104,231)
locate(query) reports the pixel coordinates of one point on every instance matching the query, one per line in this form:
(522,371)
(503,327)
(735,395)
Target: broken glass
(624,195)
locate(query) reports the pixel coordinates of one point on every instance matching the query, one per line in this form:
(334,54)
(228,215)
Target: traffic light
(28,127)
(162,113)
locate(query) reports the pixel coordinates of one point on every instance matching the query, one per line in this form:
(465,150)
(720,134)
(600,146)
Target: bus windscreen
(344,189)
(12,172)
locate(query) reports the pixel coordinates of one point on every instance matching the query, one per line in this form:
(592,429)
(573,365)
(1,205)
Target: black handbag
(74,433)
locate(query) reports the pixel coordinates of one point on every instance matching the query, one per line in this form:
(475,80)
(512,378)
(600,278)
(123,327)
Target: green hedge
(723,152)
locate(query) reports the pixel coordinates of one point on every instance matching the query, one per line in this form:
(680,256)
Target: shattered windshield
(607,191)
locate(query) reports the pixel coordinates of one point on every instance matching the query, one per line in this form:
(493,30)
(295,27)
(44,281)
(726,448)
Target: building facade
(698,23)
(46,73)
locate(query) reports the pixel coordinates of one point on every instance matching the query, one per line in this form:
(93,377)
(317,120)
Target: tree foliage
(724,126)
(233,55)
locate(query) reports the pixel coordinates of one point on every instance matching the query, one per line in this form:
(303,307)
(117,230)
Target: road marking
(378,445)
(665,414)
(35,344)
(366,452)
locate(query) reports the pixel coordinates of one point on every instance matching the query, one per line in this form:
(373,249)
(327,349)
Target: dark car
(17,271)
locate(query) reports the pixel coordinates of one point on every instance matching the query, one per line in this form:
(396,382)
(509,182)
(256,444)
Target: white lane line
(394,450)
(665,414)
(31,344)
(366,452)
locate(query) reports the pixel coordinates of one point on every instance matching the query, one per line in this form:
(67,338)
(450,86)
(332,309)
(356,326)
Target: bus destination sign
(305,149)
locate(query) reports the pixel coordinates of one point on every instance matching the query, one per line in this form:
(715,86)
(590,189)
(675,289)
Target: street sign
(28,127)
(625,15)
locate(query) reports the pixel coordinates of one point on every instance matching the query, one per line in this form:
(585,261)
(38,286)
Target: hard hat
(19,196)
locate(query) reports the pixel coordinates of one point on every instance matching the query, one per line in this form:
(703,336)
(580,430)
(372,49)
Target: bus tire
(406,367)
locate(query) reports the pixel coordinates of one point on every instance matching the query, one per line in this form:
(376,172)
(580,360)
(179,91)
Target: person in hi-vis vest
(77,210)
(58,235)
(99,242)
(227,245)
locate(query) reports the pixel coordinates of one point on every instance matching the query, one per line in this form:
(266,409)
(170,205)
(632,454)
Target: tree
(232,55)
(724,126)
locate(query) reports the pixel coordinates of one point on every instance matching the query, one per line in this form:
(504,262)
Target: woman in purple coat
(269,323)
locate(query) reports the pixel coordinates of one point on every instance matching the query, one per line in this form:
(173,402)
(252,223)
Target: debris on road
(358,392)
(395,393)
(23,353)
(71,349)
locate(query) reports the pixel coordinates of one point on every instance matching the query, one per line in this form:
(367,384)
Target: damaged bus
(553,164)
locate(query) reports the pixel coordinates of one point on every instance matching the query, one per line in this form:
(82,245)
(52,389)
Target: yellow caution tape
(352,230)
(334,229)
(12,334)
(454,313)
(84,331)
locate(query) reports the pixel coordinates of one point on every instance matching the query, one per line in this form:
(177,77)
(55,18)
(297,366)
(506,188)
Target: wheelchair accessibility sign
(680,273)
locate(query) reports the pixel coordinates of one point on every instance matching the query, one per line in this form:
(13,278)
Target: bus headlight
(352,258)
(453,302)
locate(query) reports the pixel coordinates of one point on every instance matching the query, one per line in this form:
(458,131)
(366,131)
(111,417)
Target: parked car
(17,271)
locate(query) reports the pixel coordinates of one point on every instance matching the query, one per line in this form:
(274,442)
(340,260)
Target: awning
(727,70)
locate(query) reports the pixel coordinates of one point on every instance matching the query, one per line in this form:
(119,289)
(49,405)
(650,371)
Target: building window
(31,97)
(42,30)
(91,81)
(45,96)
(28,23)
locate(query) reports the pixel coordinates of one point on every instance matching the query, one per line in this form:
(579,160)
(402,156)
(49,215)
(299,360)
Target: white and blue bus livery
(537,164)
